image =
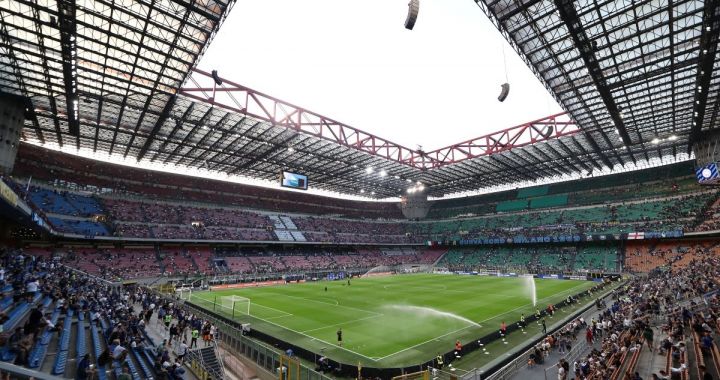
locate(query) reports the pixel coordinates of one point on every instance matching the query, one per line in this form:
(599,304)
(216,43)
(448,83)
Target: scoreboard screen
(294,180)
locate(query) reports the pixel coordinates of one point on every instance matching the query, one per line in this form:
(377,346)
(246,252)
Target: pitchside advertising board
(708,174)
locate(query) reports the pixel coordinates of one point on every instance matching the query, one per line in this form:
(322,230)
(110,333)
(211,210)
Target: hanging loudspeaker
(216,78)
(549,131)
(413,9)
(504,91)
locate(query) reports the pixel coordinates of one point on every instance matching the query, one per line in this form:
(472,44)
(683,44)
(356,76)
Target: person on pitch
(339,336)
(439,361)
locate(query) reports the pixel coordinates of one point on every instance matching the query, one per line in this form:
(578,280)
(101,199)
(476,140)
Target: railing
(197,365)
(264,356)
(510,370)
(575,352)
(216,348)
(22,373)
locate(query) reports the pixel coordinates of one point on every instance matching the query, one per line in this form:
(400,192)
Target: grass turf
(388,321)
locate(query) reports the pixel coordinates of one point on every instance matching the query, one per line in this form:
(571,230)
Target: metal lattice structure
(100,72)
(634,73)
(637,79)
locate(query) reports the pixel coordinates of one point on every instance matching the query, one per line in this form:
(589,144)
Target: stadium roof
(125,70)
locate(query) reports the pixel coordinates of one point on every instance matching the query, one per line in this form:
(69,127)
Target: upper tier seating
(533,258)
(51,165)
(188,209)
(644,256)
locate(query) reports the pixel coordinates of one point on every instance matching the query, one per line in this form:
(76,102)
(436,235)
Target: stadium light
(362,191)
(421,188)
(397,177)
(291,149)
(383,173)
(656,141)
(411,190)
(672,138)
(373,193)
(369,170)
(408,180)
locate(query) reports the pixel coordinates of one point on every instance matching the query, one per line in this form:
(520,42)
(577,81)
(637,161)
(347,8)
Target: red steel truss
(547,128)
(232,96)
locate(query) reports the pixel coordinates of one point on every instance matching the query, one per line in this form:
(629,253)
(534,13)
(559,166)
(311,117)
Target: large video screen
(294,180)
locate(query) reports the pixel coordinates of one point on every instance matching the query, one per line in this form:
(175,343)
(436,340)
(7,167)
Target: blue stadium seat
(60,362)
(81,349)
(39,351)
(6,303)
(15,315)
(104,324)
(149,355)
(97,348)
(65,335)
(133,370)
(62,356)
(143,364)
(37,355)
(6,355)
(148,338)
(131,366)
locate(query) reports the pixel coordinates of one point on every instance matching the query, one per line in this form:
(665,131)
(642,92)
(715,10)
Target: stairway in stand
(211,362)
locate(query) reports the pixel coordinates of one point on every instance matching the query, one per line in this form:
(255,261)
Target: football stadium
(170,209)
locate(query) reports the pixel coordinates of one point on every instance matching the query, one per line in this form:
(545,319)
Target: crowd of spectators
(659,312)
(50,165)
(128,263)
(44,299)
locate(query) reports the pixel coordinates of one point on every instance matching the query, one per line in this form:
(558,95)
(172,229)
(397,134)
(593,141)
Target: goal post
(184,294)
(233,305)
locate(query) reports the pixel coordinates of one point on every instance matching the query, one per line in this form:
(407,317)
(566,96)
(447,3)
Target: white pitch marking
(345,323)
(466,327)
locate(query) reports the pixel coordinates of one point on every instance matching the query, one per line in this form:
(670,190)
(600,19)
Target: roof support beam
(209,132)
(199,124)
(569,15)
(707,52)
(68,44)
(513,9)
(178,125)
(164,115)
(5,38)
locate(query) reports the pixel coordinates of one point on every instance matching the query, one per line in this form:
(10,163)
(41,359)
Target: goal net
(234,305)
(184,293)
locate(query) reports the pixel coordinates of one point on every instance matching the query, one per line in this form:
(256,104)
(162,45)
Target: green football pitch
(386,321)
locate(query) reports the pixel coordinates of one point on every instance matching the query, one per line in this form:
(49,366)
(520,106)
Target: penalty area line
(314,338)
(466,327)
(333,304)
(345,323)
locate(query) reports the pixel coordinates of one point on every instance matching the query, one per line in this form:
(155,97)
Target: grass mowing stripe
(335,304)
(468,326)
(285,314)
(390,321)
(345,323)
(312,337)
